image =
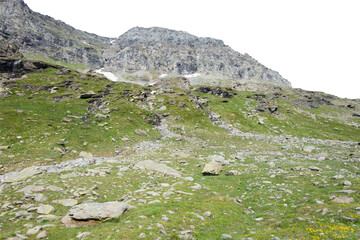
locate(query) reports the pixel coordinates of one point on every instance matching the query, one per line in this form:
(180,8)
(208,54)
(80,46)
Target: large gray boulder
(98,211)
(154,166)
(212,168)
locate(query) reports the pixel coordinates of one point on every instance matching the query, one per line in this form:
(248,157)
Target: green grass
(39,57)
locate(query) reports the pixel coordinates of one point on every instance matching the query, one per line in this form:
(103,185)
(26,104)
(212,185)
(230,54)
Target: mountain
(176,52)
(138,53)
(37,34)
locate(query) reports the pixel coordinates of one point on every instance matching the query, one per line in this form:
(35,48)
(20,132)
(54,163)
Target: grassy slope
(260,186)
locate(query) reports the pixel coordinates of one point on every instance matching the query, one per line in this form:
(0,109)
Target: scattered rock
(233,173)
(309,149)
(41,235)
(67,202)
(348,219)
(33,188)
(212,168)
(196,187)
(207,214)
(34,230)
(87,95)
(141,132)
(85,155)
(347,183)
(337,177)
(45,209)
(190,179)
(154,166)
(39,197)
(142,235)
(83,235)
(225,236)
(36,188)
(186,237)
(48,217)
(215,158)
(312,168)
(66,120)
(299,168)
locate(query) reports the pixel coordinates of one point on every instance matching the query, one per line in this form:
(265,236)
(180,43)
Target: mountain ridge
(178,52)
(135,54)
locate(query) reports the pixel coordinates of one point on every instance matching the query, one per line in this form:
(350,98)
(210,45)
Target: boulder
(343,199)
(86,95)
(41,235)
(154,166)
(85,155)
(45,209)
(98,211)
(212,168)
(141,132)
(34,230)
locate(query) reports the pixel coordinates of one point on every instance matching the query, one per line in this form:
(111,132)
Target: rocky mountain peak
(140,52)
(157,35)
(171,52)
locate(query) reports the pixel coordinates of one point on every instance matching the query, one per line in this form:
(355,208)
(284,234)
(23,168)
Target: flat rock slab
(343,199)
(212,168)
(22,175)
(154,166)
(38,188)
(67,202)
(98,211)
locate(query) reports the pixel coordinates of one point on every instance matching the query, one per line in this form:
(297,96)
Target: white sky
(315,44)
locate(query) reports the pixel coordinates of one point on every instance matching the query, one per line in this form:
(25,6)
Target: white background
(315,44)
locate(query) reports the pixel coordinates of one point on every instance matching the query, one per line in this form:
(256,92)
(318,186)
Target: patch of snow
(192,75)
(163,75)
(108,75)
(112,41)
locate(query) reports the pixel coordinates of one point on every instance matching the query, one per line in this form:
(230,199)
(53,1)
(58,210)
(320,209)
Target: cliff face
(37,33)
(140,49)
